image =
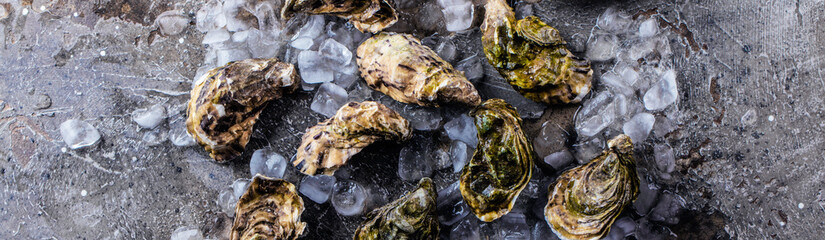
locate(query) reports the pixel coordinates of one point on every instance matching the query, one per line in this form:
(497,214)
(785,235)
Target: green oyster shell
(269,209)
(366,15)
(226,102)
(327,146)
(412,216)
(532,57)
(400,66)
(584,201)
(502,164)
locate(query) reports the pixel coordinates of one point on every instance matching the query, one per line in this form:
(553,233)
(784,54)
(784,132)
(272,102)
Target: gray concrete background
(752,179)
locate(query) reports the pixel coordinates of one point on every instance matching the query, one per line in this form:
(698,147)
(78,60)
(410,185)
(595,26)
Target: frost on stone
(78,134)
(639,127)
(328,99)
(663,93)
(239,186)
(416,159)
(317,188)
(187,233)
(458,14)
(451,207)
(466,229)
(151,117)
(172,22)
(463,129)
(313,68)
(268,163)
(349,198)
(460,154)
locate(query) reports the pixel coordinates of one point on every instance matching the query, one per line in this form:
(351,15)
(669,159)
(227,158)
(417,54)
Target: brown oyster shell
(226,102)
(412,216)
(327,146)
(584,201)
(269,209)
(366,15)
(401,67)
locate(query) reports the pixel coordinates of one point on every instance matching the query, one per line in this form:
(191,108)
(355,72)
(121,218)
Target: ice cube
(471,67)
(663,126)
(648,194)
(216,36)
(150,117)
(513,226)
(416,159)
(172,22)
(178,136)
(602,47)
(317,188)
(450,206)
(241,36)
(665,160)
(651,231)
(207,17)
(587,150)
(460,154)
(639,127)
(558,160)
(422,118)
(466,229)
(446,49)
(303,43)
(648,28)
(262,45)
(458,17)
(155,136)
(268,163)
(463,129)
(627,73)
(329,99)
(621,228)
(614,21)
(313,68)
(335,53)
(239,187)
(617,83)
(345,80)
(312,29)
(429,17)
(348,198)
(551,138)
(227,201)
(78,134)
(187,233)
(542,231)
(596,114)
(360,92)
(230,55)
(668,209)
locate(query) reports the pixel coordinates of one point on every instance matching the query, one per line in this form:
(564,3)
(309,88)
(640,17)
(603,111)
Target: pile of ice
(458,14)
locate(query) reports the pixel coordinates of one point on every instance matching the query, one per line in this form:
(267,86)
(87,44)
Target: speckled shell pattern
(413,216)
(226,102)
(269,209)
(400,66)
(532,57)
(502,163)
(365,15)
(584,201)
(330,144)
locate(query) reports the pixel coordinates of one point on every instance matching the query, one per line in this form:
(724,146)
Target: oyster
(584,201)
(400,66)
(269,209)
(327,146)
(502,164)
(366,15)
(532,57)
(410,217)
(226,102)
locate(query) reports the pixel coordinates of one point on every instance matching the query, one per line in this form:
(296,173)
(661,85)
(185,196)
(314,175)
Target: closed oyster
(532,57)
(366,15)
(502,164)
(269,209)
(226,102)
(400,66)
(410,217)
(327,146)
(584,201)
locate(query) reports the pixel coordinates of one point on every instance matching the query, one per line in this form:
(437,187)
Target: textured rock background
(750,178)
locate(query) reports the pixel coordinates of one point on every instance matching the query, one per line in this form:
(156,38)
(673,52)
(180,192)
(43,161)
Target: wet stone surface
(735,152)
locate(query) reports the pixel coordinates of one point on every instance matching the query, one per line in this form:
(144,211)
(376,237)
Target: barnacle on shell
(226,102)
(532,57)
(327,146)
(401,67)
(584,201)
(410,217)
(366,15)
(502,164)
(269,209)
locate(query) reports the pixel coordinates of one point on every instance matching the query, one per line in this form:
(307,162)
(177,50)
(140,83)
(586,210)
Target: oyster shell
(502,164)
(532,57)
(584,201)
(366,15)
(327,146)
(269,209)
(410,217)
(400,66)
(226,102)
